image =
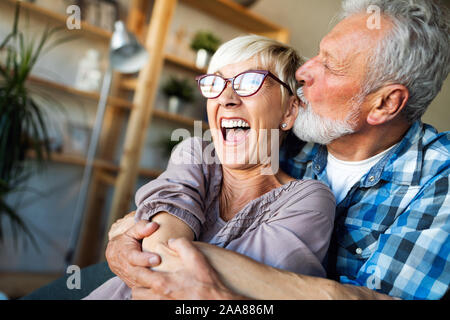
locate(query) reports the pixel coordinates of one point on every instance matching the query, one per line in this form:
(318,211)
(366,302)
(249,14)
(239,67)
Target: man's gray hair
(415,53)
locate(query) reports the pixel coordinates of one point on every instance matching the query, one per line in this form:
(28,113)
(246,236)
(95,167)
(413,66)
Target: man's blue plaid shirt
(392,229)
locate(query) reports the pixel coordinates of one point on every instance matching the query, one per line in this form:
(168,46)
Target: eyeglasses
(244,84)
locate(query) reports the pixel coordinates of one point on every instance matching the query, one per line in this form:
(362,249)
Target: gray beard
(312,127)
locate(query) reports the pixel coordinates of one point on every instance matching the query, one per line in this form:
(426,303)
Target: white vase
(89,76)
(174,104)
(203,58)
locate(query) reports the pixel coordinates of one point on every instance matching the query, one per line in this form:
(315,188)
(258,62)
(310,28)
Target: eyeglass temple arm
(280,82)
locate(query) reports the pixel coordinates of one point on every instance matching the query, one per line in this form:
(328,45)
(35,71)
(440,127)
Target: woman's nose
(304,74)
(229,98)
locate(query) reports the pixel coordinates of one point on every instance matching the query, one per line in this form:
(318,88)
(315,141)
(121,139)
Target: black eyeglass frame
(231,80)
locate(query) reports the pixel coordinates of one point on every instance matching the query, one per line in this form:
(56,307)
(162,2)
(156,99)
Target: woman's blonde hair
(280,59)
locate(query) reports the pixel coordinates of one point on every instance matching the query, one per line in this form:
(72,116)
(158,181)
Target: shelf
(106,177)
(240,17)
(130,83)
(183,63)
(61,19)
(79,160)
(173,117)
(112,101)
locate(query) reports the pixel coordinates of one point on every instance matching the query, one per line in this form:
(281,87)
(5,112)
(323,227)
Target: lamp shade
(126,54)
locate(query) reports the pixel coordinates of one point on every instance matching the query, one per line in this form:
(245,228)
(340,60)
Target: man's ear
(291,113)
(388,102)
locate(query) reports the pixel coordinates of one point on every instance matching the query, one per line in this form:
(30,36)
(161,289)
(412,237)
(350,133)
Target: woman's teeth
(234,130)
(234,123)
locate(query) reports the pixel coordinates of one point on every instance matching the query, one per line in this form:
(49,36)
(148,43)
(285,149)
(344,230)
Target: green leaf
(205,40)
(22,122)
(16,222)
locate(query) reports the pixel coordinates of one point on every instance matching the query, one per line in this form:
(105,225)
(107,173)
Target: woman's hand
(121,225)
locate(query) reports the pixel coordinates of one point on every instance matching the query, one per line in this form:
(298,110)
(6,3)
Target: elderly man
(362,99)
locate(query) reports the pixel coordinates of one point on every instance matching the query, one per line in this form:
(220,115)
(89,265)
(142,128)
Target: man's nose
(229,98)
(304,74)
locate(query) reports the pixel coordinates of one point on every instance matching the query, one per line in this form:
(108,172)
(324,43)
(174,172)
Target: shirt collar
(403,165)
(308,152)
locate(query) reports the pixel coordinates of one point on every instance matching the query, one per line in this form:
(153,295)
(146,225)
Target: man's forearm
(249,278)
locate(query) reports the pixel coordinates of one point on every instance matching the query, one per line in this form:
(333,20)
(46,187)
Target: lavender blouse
(288,227)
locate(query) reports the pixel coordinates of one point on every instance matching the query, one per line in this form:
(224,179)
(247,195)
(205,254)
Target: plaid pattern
(392,229)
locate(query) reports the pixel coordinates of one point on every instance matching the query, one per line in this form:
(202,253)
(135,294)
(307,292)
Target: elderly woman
(239,202)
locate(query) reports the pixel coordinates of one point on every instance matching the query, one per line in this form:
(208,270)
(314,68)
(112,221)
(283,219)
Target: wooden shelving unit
(112,102)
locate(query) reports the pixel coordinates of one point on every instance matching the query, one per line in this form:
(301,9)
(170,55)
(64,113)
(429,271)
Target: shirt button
(317,167)
(371,178)
(358,251)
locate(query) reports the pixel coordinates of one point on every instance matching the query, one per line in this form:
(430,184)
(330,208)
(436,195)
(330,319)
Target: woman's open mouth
(234,130)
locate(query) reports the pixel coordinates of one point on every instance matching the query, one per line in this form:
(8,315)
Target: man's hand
(194,279)
(125,256)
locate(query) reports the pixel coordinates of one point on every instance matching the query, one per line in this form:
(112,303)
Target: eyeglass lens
(244,85)
(248,83)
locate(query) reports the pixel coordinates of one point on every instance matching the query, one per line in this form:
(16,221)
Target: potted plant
(178,91)
(22,125)
(205,43)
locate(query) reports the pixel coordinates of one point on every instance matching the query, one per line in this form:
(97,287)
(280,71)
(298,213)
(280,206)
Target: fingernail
(170,240)
(148,225)
(153,260)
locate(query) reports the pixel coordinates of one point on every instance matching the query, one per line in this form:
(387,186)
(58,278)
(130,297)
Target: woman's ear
(291,113)
(388,103)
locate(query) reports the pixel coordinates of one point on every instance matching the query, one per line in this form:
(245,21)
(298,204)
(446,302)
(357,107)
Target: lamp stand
(90,158)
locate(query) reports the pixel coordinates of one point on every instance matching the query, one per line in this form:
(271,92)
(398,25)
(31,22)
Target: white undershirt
(342,175)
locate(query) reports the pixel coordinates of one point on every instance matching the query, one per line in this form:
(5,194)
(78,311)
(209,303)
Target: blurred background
(45,225)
